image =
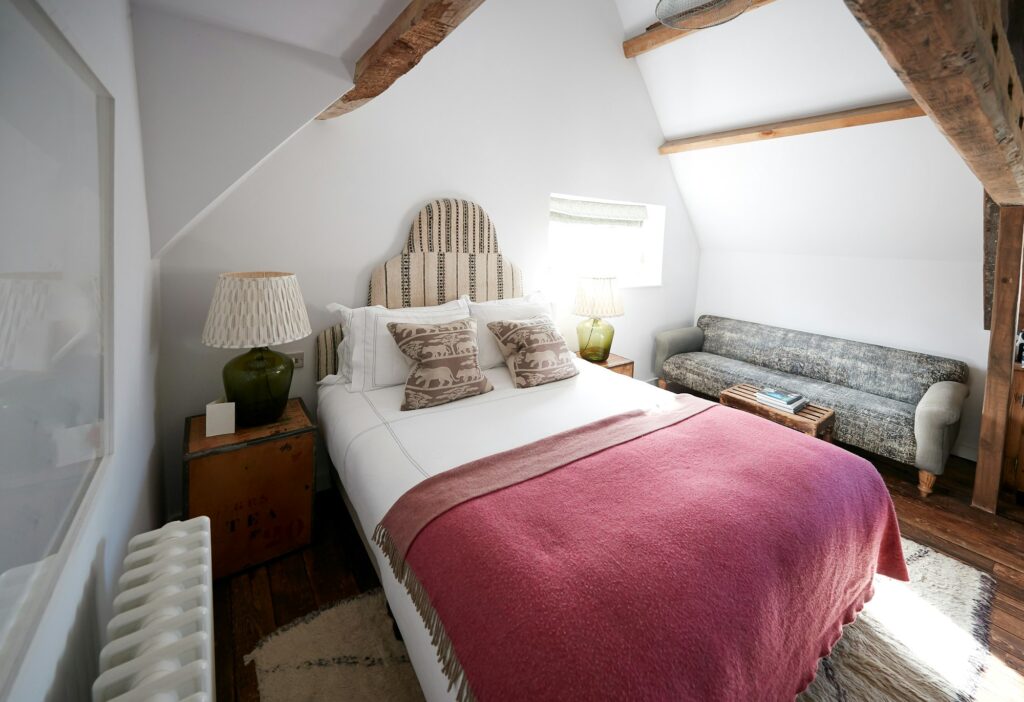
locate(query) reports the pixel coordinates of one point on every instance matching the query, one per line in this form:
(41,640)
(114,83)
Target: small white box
(220,418)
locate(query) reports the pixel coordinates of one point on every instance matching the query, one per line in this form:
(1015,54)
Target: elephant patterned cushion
(445,366)
(534,351)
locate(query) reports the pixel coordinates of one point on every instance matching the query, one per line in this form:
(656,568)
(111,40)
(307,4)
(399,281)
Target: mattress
(380,452)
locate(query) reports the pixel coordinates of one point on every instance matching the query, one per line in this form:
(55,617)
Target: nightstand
(616,364)
(255,485)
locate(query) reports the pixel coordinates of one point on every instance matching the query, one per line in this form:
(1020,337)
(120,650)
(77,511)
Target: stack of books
(786,401)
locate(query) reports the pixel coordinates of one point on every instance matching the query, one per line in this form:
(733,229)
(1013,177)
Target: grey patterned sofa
(897,404)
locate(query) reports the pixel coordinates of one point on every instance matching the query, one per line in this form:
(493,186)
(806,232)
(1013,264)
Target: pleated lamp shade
(598,298)
(251,310)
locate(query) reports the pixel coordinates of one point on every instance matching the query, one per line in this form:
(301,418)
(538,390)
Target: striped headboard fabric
(327,343)
(452,251)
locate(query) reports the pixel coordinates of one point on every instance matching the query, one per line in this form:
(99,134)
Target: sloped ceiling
(223,84)
(791,58)
(338,28)
(896,190)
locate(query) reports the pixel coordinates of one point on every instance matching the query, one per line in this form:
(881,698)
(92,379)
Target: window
(588,237)
(56,151)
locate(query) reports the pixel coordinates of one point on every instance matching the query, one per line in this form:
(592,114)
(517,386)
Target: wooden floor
(252,604)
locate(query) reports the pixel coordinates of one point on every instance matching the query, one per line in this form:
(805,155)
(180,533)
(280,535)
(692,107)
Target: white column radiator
(161,634)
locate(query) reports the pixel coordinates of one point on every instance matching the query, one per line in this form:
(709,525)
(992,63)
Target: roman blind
(572,211)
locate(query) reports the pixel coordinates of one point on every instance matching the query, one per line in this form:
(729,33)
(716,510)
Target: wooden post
(995,408)
(991,236)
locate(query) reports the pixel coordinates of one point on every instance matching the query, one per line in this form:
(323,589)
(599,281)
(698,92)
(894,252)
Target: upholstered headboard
(452,251)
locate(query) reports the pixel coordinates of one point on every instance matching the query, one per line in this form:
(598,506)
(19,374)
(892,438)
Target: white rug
(345,653)
(923,641)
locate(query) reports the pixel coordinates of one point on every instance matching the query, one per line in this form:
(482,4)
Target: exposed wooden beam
(420,27)
(955,59)
(659,35)
(805,125)
(1013,23)
(995,406)
(990,235)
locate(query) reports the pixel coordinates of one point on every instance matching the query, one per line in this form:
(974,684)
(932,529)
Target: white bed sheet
(380,452)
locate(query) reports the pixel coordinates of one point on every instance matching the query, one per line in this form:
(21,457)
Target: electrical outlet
(298,358)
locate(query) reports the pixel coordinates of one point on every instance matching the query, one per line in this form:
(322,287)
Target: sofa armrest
(668,343)
(936,424)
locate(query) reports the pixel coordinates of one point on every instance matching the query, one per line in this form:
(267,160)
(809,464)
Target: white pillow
(533,305)
(344,363)
(376,360)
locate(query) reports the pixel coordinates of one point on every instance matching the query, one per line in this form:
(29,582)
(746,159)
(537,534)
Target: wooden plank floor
(252,604)
(249,605)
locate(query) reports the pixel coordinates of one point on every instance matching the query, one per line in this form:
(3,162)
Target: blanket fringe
(446,655)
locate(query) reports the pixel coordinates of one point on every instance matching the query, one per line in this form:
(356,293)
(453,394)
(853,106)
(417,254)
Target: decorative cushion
(376,361)
(878,424)
(445,367)
(533,305)
(534,351)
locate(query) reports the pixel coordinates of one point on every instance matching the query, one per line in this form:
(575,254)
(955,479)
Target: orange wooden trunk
(256,486)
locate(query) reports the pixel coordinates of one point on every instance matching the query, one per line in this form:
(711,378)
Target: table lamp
(257,310)
(596,298)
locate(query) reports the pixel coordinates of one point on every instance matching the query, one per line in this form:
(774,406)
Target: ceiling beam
(420,27)
(955,60)
(659,35)
(888,112)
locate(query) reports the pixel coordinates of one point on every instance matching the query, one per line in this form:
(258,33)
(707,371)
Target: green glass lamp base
(258,383)
(595,337)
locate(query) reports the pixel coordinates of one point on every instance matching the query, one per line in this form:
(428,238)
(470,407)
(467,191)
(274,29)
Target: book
(792,409)
(780,396)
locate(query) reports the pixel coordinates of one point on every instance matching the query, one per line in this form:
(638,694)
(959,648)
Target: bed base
(336,481)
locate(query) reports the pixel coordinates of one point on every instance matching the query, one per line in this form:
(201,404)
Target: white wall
(124,498)
(526,98)
(880,226)
(214,103)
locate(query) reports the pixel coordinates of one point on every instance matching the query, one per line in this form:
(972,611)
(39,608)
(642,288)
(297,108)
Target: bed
(381,455)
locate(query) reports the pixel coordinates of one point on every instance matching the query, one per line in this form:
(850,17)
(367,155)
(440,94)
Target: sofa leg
(663,384)
(925,482)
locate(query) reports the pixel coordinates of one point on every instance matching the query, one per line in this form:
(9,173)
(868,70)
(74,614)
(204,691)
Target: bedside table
(616,364)
(255,485)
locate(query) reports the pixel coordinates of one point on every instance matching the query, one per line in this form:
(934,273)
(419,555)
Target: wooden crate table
(255,485)
(812,420)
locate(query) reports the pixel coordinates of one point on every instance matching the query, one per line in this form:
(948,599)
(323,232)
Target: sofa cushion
(879,370)
(878,424)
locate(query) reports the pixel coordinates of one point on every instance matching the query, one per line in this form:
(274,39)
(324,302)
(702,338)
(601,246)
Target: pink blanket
(696,554)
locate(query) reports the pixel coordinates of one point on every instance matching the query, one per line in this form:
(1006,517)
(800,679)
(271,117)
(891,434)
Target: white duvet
(380,452)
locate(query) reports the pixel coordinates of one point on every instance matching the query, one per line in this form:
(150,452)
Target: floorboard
(252,604)
(252,618)
(223,644)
